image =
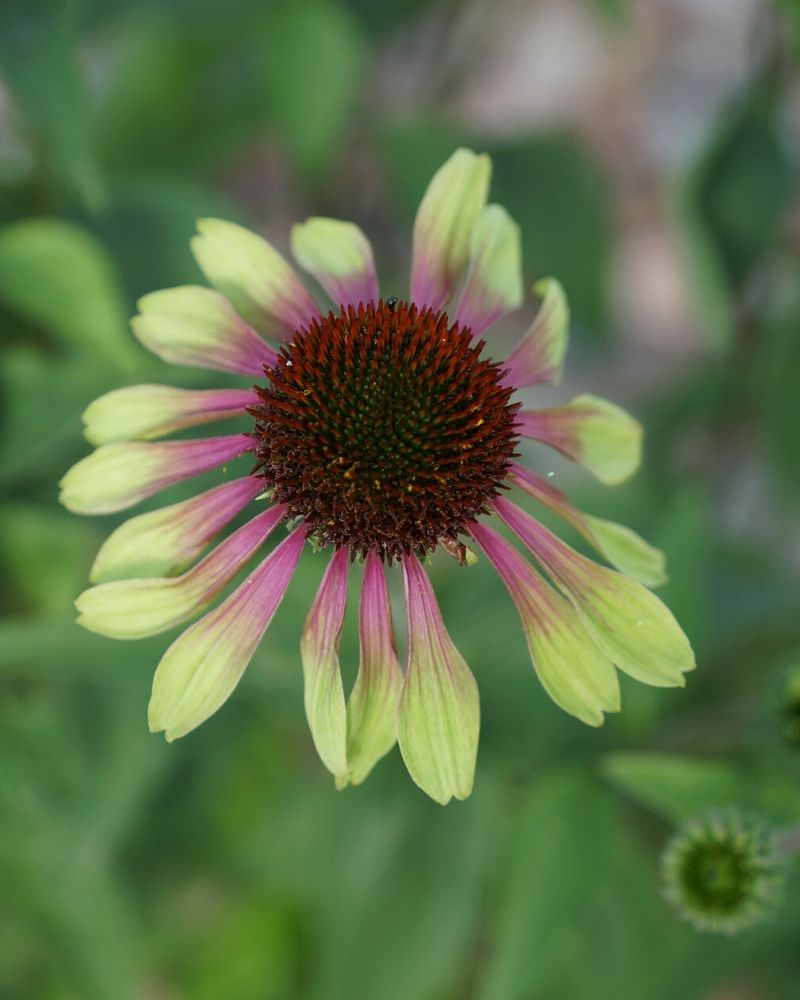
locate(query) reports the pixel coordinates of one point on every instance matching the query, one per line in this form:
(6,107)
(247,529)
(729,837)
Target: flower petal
(252,274)
(133,609)
(539,356)
(593,432)
(631,625)
(493,286)
(200,670)
(319,650)
(196,326)
(622,547)
(149,411)
(339,256)
(163,541)
(574,672)
(439,717)
(372,707)
(117,476)
(447,213)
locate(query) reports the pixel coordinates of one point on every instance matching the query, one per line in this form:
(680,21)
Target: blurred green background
(650,151)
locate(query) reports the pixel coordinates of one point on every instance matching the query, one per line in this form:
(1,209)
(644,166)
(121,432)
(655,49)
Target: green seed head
(722,872)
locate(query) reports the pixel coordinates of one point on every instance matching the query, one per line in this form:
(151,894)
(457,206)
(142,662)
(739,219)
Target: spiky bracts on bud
(384,429)
(723,871)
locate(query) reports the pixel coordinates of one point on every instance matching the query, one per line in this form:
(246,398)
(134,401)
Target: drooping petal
(339,256)
(200,670)
(443,227)
(632,626)
(251,273)
(493,286)
(144,412)
(591,431)
(197,326)
(133,609)
(576,674)
(626,550)
(372,707)
(439,717)
(117,476)
(622,547)
(163,541)
(539,356)
(319,650)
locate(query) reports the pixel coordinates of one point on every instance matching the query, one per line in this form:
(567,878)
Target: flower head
(723,872)
(382,429)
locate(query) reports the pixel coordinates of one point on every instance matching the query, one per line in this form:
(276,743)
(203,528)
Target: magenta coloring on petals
(543,491)
(555,429)
(244,616)
(375,616)
(476,309)
(555,556)
(533,597)
(222,401)
(354,289)
(222,564)
(245,353)
(527,364)
(424,619)
(183,459)
(324,622)
(213,509)
(295,309)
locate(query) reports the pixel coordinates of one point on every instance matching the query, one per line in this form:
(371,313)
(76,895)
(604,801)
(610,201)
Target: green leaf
(83,307)
(674,787)
(729,205)
(554,874)
(38,62)
(312,59)
(555,192)
(44,555)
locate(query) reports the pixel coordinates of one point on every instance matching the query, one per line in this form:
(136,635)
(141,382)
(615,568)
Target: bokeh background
(650,150)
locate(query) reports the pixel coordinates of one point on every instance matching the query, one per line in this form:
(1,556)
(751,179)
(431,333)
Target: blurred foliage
(226,866)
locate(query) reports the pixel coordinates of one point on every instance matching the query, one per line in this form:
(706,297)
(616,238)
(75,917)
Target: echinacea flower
(724,871)
(381,430)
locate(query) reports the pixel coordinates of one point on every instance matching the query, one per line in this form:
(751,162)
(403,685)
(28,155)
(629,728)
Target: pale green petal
(622,547)
(633,627)
(117,476)
(610,439)
(145,412)
(319,650)
(591,431)
(439,717)
(372,707)
(255,278)
(443,227)
(574,672)
(201,669)
(133,609)
(539,356)
(163,541)
(630,624)
(629,552)
(339,256)
(197,326)
(493,286)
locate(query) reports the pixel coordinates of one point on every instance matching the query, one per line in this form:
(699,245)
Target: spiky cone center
(384,429)
(723,873)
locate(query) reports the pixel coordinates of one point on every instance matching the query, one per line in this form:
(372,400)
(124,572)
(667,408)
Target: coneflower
(382,429)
